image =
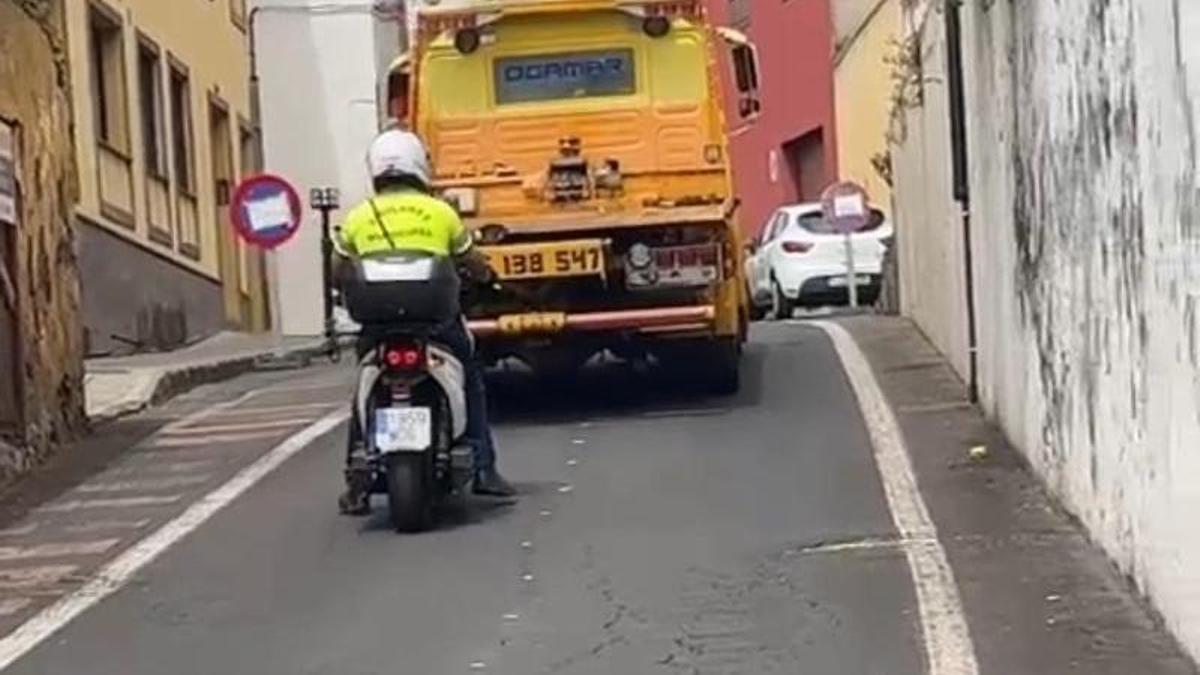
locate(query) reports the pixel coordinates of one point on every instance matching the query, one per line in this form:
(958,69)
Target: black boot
(490,483)
(356,500)
(354,503)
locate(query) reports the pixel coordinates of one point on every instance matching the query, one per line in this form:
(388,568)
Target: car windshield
(816,222)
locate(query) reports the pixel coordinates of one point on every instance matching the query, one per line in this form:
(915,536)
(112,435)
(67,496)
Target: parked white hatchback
(798,259)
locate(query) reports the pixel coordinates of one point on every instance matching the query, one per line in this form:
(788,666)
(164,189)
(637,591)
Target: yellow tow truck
(584,143)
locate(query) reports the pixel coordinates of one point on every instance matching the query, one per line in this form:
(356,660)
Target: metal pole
(851,274)
(327,272)
(961,178)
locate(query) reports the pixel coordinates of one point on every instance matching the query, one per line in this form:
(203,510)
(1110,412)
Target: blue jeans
(454,336)
(479,431)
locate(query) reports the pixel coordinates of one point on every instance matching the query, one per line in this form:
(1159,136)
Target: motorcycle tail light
(404,357)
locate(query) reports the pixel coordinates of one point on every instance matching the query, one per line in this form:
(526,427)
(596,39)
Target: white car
(799,259)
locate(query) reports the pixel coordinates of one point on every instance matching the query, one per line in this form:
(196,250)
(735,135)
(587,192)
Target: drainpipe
(255,95)
(961,179)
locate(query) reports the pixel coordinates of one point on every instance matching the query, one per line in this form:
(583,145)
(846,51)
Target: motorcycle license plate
(403,429)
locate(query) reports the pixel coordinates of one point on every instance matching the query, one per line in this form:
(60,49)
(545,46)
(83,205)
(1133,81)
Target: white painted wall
(321,65)
(1083,123)
(929,225)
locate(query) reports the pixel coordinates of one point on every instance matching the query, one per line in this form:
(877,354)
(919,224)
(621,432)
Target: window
(777,226)
(109,93)
(816,223)
(183,143)
(150,90)
(739,13)
(248,149)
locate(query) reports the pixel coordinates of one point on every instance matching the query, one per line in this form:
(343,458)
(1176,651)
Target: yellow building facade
(863,90)
(163,134)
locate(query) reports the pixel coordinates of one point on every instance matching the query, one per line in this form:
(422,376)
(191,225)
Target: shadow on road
(617,390)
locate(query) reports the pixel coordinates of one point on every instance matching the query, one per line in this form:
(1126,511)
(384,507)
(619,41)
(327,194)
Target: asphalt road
(656,532)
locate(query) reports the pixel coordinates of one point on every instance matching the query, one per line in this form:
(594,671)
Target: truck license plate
(403,429)
(536,261)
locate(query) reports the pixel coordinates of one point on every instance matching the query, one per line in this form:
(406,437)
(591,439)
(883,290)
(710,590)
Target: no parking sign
(266,211)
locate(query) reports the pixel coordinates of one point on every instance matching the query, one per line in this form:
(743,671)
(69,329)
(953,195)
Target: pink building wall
(788,153)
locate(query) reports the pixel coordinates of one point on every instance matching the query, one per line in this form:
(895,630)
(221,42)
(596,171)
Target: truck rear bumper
(653,320)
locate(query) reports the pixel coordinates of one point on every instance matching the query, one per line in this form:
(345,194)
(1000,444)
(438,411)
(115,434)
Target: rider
(404,216)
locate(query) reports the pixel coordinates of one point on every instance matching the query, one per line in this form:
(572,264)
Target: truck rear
(583,141)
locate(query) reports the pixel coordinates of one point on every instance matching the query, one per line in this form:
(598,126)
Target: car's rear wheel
(757,312)
(781,306)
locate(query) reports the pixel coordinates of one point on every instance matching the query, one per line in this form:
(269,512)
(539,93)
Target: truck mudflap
(652,320)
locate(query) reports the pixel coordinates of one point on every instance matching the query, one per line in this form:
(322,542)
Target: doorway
(806,162)
(231,254)
(10,333)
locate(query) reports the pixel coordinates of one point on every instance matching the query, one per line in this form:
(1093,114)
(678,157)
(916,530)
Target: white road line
(216,439)
(31,577)
(313,386)
(143,468)
(104,525)
(869,544)
(274,409)
(144,485)
(10,606)
(118,572)
(105,503)
(56,549)
(239,427)
(19,530)
(188,420)
(948,646)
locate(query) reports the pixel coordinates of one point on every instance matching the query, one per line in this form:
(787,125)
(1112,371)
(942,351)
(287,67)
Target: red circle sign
(265,210)
(846,207)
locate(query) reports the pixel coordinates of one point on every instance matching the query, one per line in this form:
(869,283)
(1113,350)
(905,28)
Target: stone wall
(1082,125)
(33,94)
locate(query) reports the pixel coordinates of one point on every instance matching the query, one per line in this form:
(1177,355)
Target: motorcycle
(410,404)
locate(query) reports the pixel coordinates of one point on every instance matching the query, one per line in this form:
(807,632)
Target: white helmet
(399,153)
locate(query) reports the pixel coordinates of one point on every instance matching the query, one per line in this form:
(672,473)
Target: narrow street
(656,532)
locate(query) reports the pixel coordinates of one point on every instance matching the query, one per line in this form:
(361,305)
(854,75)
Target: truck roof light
(656,26)
(466,40)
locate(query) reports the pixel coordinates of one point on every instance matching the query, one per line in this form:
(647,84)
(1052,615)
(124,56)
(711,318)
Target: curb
(163,384)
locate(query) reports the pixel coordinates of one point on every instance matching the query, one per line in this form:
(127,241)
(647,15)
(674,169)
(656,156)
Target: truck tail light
(684,266)
(796,247)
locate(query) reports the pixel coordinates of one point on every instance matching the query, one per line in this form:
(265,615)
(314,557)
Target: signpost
(326,200)
(845,206)
(266,213)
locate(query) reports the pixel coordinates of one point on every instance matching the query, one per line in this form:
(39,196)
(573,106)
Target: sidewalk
(123,385)
(1040,598)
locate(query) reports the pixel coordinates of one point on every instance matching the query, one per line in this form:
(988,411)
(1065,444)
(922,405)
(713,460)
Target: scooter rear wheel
(410,491)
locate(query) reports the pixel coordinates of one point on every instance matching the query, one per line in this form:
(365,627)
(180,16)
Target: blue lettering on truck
(549,77)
